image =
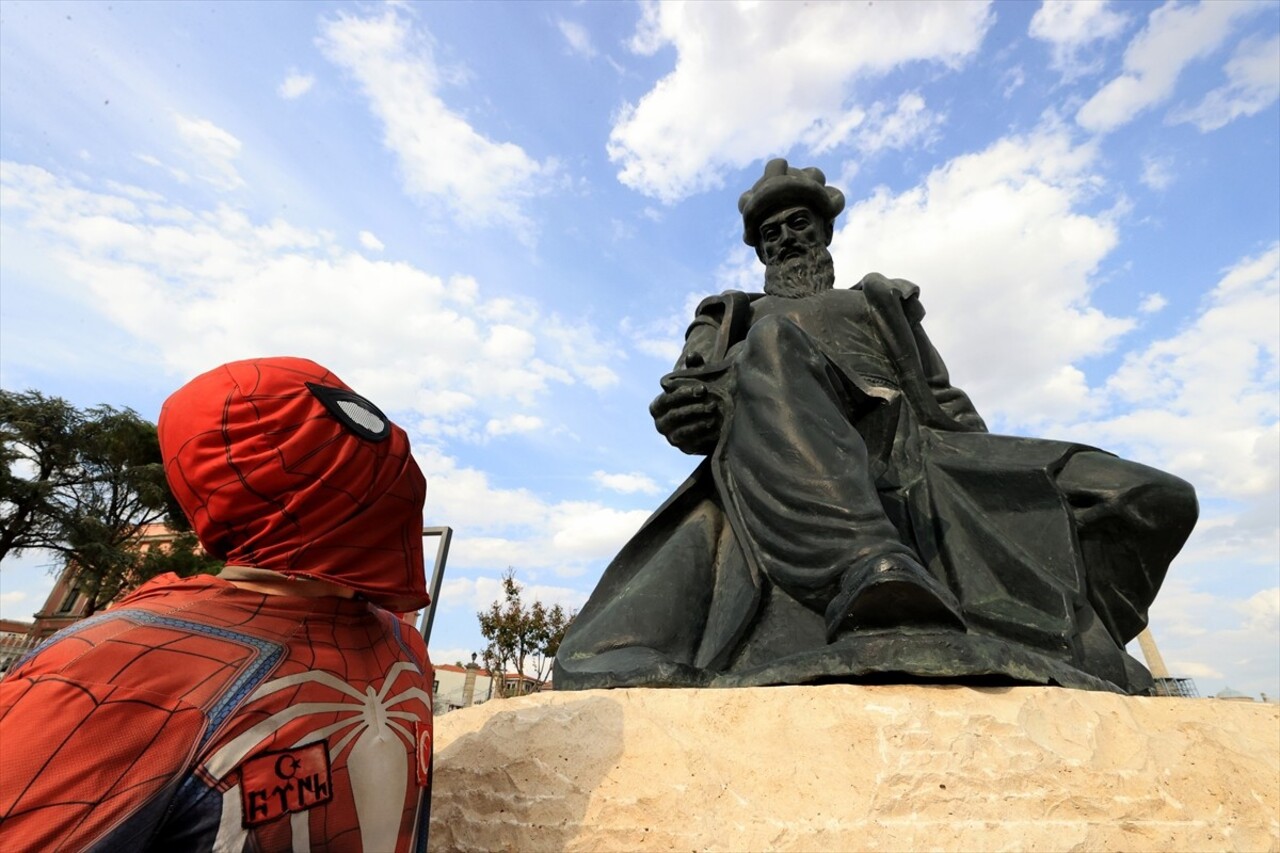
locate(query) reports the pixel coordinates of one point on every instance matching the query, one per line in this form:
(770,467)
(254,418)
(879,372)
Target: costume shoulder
(157,638)
(407,638)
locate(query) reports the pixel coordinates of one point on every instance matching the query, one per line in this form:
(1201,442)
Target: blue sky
(494,219)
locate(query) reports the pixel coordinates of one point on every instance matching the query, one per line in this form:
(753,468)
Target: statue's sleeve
(718,323)
(895,305)
(954,402)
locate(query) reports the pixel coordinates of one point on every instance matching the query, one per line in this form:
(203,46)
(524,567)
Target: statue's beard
(806,275)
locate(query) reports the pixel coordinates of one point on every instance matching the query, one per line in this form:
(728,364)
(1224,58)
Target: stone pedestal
(844,767)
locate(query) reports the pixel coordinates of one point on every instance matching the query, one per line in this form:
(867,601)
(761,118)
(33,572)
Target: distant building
(15,641)
(64,606)
(515,684)
(1229,695)
(67,604)
(461,686)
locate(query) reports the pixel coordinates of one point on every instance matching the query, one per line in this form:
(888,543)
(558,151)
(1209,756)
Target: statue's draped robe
(843,437)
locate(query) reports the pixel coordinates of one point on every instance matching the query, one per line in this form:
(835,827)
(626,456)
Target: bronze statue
(853,520)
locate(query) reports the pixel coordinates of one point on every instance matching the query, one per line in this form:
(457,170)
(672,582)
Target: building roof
(484,673)
(448,667)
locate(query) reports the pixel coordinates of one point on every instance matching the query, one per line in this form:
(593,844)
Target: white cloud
(1152,303)
(663,338)
(627,483)
(579,349)
(1216,639)
(26,581)
(513,425)
(665,349)
(443,159)
(477,594)
(295,85)
(215,286)
(1005,259)
(1203,402)
(209,286)
(1195,669)
(1013,79)
(588,531)
(213,149)
(177,174)
(1157,172)
(1253,84)
(1261,611)
(909,123)
(878,128)
(1175,35)
(497,527)
(1071,27)
(578,38)
(371,242)
(450,655)
(755,79)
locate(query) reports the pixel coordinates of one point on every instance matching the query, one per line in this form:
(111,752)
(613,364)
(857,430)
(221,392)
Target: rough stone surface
(844,767)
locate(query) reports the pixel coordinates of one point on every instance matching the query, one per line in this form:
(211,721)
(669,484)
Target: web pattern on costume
(232,684)
(367,698)
(128,692)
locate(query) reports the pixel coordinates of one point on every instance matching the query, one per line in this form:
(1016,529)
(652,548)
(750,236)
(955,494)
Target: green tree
(521,639)
(37,438)
(84,483)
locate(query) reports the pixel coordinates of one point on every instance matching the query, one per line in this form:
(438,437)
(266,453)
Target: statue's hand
(689,416)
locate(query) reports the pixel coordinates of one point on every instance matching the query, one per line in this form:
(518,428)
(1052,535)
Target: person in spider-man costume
(278,706)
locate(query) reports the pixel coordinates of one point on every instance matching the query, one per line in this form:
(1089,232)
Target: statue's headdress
(782,186)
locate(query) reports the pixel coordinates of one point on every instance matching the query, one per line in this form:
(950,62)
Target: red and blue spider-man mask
(279,465)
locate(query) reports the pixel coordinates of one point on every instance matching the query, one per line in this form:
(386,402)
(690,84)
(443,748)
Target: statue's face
(791,233)
(793,246)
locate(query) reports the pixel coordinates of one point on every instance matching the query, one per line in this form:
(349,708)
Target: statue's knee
(773,328)
(1131,493)
(1168,502)
(774,339)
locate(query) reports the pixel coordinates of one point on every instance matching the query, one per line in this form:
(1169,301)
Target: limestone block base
(846,767)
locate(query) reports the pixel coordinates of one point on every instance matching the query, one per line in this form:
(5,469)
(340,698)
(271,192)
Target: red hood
(279,465)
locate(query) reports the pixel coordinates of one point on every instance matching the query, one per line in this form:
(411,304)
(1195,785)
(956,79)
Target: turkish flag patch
(274,784)
(422,739)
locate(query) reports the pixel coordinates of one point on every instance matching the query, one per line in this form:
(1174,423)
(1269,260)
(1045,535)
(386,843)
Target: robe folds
(843,437)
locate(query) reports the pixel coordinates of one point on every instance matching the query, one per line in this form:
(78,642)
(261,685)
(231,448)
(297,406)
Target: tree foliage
(85,483)
(521,639)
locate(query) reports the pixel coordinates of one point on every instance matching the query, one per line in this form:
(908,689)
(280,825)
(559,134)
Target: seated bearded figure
(853,519)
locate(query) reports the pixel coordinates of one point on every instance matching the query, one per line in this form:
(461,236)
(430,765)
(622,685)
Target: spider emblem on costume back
(368,727)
